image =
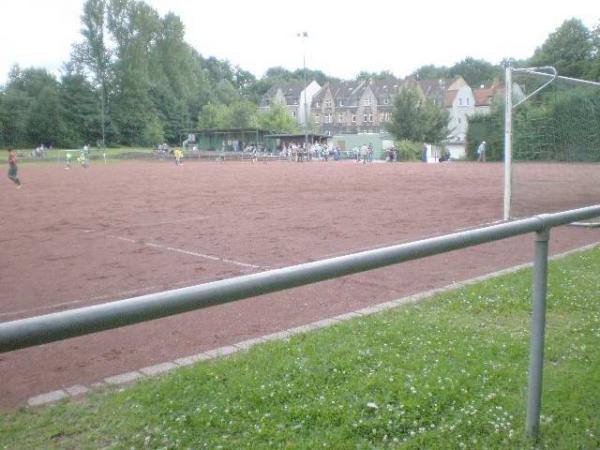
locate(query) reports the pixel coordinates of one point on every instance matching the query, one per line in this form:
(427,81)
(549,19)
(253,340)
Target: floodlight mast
(304,35)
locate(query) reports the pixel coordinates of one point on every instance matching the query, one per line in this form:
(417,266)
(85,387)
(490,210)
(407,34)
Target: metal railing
(47,328)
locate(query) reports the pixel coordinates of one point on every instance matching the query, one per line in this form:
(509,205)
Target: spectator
(481,152)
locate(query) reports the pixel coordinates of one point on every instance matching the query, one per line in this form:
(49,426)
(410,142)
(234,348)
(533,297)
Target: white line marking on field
(112,297)
(117,295)
(188,252)
(165,222)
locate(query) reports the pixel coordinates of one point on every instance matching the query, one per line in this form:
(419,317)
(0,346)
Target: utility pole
(304,35)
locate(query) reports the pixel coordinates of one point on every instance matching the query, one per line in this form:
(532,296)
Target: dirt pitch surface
(73,238)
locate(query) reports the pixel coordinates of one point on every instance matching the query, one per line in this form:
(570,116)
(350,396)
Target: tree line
(133,80)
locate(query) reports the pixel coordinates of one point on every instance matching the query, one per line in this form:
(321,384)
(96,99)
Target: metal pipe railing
(76,322)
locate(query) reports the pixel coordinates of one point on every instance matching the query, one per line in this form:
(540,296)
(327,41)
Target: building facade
(364,106)
(294,96)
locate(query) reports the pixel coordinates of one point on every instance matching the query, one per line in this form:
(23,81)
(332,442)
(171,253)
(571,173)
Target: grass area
(448,373)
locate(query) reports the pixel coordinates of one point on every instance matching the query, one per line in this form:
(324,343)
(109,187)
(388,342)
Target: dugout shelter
(227,139)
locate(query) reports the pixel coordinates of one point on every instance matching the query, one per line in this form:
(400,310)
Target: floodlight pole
(304,35)
(102,106)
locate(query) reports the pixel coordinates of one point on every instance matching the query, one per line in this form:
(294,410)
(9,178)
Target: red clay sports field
(72,238)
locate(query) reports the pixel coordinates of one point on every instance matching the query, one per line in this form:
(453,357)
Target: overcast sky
(344,37)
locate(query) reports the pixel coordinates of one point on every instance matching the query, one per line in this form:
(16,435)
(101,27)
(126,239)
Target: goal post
(551,142)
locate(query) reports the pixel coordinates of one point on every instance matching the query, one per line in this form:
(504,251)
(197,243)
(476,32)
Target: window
(386,100)
(341,102)
(340,118)
(467,101)
(294,114)
(328,104)
(353,118)
(318,104)
(317,118)
(367,101)
(460,101)
(370,117)
(328,118)
(364,117)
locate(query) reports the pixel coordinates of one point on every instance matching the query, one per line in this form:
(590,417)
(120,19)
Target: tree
(94,55)
(134,27)
(417,118)
(278,120)
(475,71)
(30,110)
(243,114)
(383,75)
(213,115)
(569,49)
(435,120)
(594,69)
(430,72)
(406,115)
(79,110)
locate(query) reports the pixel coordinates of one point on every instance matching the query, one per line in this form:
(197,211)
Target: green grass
(448,373)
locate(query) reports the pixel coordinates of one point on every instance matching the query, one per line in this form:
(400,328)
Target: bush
(408,150)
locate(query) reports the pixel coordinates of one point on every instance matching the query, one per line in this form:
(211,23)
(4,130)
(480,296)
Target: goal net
(553,135)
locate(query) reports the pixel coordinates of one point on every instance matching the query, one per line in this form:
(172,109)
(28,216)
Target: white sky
(344,37)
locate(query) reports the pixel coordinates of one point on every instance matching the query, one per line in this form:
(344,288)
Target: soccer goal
(551,142)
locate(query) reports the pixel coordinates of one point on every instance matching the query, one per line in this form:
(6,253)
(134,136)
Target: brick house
(291,96)
(351,107)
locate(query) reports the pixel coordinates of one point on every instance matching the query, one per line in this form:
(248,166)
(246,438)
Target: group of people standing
(315,150)
(364,153)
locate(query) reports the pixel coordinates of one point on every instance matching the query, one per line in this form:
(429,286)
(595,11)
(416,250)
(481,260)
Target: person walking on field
(12,168)
(481,152)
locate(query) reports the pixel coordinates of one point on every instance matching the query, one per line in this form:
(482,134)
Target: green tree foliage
(80,115)
(135,26)
(243,114)
(417,118)
(475,71)
(213,115)
(431,72)
(557,125)
(383,75)
(30,108)
(570,49)
(488,128)
(278,120)
(594,69)
(94,56)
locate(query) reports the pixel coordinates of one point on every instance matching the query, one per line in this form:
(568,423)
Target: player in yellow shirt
(178,156)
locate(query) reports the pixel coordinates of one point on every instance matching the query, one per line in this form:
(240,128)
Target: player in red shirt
(12,167)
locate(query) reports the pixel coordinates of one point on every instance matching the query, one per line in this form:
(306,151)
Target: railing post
(538,324)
